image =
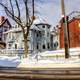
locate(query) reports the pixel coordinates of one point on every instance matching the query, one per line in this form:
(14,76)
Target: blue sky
(51,9)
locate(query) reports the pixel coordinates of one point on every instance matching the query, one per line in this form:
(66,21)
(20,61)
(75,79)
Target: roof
(39,21)
(74,18)
(70,20)
(3,22)
(13,30)
(34,27)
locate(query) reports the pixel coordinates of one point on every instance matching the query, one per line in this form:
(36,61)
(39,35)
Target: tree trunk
(25,47)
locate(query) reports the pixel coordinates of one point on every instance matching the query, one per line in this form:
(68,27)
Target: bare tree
(17,18)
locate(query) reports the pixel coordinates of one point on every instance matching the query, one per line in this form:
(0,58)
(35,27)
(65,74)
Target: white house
(39,39)
(55,41)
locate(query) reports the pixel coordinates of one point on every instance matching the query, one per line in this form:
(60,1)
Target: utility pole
(33,17)
(64,19)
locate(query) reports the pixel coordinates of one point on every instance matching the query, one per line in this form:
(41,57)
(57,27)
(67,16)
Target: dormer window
(48,27)
(43,26)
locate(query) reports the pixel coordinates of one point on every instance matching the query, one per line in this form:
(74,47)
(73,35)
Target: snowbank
(6,61)
(73,52)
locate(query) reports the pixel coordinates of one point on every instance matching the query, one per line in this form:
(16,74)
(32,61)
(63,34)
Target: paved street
(40,74)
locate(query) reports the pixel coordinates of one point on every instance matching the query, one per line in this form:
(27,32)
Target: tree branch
(11,14)
(27,12)
(31,20)
(11,7)
(18,10)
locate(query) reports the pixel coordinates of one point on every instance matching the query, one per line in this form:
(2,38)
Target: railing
(15,52)
(12,52)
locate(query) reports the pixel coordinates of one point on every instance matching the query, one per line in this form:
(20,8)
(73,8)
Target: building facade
(39,38)
(4,26)
(73,32)
(55,38)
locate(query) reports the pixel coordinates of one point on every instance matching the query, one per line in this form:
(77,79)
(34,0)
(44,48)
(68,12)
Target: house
(55,38)
(39,38)
(4,26)
(73,32)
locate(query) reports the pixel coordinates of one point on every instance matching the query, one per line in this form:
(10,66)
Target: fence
(12,52)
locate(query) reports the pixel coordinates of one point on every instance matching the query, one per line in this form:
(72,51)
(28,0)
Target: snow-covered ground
(53,59)
(46,59)
(6,61)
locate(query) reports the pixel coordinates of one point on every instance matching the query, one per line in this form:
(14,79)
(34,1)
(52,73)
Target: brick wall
(74,33)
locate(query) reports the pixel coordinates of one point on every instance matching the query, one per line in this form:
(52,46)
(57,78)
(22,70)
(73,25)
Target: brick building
(73,33)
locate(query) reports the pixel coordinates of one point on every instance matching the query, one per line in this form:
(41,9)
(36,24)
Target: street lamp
(64,19)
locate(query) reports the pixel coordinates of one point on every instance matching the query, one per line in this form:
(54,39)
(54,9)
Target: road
(39,74)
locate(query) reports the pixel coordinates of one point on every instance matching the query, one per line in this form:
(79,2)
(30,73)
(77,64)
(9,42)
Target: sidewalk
(47,64)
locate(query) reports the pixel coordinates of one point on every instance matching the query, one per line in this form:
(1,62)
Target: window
(9,45)
(48,27)
(9,35)
(56,44)
(13,37)
(43,26)
(48,46)
(48,34)
(5,30)
(0,29)
(15,46)
(43,46)
(37,46)
(0,39)
(37,34)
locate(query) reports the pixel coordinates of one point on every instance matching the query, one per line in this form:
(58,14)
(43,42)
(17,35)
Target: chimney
(1,19)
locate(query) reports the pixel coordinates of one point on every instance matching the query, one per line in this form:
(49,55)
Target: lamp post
(64,19)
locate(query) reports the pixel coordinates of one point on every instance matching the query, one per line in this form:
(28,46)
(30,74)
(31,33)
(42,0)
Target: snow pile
(6,61)
(73,52)
(61,61)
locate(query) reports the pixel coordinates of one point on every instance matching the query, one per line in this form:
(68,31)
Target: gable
(6,23)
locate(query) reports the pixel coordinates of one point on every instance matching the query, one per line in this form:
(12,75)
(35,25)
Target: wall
(73,33)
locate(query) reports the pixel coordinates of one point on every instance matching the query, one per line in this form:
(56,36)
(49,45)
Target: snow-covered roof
(13,30)
(33,27)
(40,21)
